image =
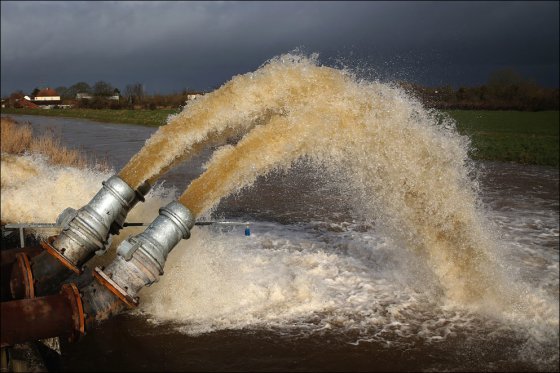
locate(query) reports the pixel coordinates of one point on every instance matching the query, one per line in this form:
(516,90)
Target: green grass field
(509,136)
(153,118)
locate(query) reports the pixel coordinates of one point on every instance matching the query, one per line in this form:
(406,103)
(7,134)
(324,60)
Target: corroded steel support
(38,318)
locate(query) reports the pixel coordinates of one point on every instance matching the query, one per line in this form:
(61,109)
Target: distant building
(88,96)
(193,96)
(83,96)
(25,102)
(116,95)
(46,95)
(46,98)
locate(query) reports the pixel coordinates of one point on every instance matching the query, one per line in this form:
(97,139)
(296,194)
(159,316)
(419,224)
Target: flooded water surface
(318,286)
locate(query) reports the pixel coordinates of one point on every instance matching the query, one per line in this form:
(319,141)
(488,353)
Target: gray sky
(173,45)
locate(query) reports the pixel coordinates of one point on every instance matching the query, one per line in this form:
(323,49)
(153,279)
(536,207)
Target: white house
(48,96)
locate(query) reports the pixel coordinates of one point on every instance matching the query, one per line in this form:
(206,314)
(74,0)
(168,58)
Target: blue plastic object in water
(247,230)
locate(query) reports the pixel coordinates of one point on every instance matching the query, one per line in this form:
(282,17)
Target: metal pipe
(140,261)
(38,318)
(84,233)
(9,256)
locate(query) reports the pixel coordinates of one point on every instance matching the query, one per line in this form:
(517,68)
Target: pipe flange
(22,282)
(47,245)
(114,288)
(73,294)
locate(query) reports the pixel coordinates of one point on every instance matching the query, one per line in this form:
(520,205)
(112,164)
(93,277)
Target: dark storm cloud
(172,45)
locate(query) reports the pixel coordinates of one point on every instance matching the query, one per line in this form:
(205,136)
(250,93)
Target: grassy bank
(509,136)
(19,139)
(144,117)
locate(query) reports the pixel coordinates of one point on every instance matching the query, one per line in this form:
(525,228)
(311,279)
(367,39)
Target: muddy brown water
(394,327)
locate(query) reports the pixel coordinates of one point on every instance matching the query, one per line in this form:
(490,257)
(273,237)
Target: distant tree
(134,93)
(62,91)
(80,87)
(15,97)
(102,89)
(505,77)
(35,92)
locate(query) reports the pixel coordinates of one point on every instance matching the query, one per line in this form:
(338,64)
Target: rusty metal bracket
(114,288)
(47,245)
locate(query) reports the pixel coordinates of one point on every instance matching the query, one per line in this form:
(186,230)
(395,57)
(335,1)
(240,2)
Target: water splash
(405,168)
(37,191)
(236,107)
(406,171)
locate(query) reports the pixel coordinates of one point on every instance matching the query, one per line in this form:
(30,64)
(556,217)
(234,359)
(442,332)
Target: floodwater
(314,288)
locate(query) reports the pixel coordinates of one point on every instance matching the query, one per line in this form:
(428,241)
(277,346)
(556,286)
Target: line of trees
(506,89)
(133,97)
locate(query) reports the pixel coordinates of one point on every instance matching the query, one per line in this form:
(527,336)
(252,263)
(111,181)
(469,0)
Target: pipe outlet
(86,231)
(140,259)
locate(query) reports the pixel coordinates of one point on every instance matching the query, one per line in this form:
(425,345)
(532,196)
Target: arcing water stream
(393,246)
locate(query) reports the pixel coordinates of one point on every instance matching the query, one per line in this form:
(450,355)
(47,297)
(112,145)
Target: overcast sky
(169,46)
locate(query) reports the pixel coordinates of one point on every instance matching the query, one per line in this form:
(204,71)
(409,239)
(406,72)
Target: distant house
(193,96)
(83,96)
(116,95)
(46,98)
(25,102)
(88,96)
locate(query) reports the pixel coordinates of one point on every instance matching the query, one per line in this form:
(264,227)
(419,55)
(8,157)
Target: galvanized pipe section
(140,262)
(84,233)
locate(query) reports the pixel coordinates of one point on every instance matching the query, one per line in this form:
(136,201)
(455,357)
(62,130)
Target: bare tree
(134,93)
(102,89)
